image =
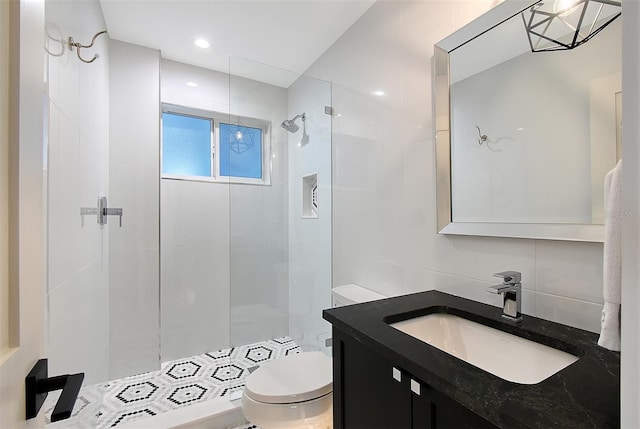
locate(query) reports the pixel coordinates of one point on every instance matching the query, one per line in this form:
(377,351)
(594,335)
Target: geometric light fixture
(241,138)
(566,24)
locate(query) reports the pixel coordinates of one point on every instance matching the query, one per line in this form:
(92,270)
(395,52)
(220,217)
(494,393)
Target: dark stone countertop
(586,394)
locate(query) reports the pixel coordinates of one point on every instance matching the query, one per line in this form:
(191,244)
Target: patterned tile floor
(178,383)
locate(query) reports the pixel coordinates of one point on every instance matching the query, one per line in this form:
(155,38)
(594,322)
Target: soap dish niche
(310,196)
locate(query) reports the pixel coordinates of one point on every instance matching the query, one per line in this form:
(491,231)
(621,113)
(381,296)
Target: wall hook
(481,137)
(78,46)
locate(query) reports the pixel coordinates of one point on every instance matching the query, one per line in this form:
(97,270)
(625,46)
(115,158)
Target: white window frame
(216,118)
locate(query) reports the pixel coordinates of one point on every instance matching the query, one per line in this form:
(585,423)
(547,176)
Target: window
(240,151)
(209,146)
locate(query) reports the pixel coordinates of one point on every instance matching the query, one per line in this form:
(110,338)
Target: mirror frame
(441,99)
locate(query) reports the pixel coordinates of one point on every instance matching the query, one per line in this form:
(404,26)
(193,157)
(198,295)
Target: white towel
(612,261)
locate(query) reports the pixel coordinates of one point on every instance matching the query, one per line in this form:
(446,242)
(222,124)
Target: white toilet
(296,391)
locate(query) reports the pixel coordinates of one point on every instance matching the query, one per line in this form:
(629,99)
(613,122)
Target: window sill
(228,180)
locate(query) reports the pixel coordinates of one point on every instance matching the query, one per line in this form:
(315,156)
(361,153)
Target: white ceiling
(281,39)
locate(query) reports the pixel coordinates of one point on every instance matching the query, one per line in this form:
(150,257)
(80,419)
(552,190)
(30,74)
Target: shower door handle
(38,385)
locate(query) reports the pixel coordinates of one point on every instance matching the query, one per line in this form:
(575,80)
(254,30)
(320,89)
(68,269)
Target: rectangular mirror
(524,139)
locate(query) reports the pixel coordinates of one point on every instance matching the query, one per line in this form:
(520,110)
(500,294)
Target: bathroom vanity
(386,378)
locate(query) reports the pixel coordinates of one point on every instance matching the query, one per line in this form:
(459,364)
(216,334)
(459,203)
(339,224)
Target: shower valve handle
(112,212)
(102,211)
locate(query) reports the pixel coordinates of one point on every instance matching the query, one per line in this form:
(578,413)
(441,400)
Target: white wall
(536,111)
(630,379)
(384,217)
(224,247)
(4,177)
(310,238)
(78,155)
(134,270)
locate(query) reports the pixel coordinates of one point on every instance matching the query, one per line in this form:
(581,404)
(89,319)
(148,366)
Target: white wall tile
(77,174)
(212,92)
(568,269)
(476,290)
(481,257)
(136,191)
(195,300)
(134,259)
(78,324)
(382,277)
(134,311)
(418,280)
(194,214)
(528,302)
(423,247)
(572,312)
(194,268)
(63,204)
(344,267)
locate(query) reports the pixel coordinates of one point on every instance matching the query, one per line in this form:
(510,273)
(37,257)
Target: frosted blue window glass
(240,151)
(186,145)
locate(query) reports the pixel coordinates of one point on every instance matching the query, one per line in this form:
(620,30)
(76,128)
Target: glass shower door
(310,213)
(280,225)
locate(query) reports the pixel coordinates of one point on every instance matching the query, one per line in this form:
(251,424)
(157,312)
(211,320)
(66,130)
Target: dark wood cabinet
(432,409)
(368,396)
(369,392)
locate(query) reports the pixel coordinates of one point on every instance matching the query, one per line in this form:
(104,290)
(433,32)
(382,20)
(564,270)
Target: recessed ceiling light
(202,43)
(378,93)
(192,84)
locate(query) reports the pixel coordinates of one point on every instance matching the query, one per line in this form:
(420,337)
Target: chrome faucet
(511,291)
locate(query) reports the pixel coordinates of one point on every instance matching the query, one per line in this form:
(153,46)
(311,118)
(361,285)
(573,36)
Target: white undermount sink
(507,356)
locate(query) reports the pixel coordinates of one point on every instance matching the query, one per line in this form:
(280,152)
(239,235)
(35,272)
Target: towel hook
(78,46)
(481,137)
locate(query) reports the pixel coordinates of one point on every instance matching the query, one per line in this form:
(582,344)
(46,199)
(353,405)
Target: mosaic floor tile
(178,383)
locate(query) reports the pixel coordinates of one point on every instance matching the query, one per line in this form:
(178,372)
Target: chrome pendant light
(566,24)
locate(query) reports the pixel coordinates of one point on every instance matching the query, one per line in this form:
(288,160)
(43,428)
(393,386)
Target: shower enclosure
(203,278)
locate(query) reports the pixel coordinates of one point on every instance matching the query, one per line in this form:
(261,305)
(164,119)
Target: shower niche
(310,196)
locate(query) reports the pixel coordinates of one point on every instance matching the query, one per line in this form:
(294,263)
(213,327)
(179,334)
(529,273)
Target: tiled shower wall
(384,233)
(134,184)
(77,174)
(224,246)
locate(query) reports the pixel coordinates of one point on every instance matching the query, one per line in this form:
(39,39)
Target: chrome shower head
(290,124)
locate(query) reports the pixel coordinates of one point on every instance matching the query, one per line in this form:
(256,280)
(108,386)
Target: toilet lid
(295,378)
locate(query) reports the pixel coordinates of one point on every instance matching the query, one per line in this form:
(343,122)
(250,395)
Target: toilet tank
(352,294)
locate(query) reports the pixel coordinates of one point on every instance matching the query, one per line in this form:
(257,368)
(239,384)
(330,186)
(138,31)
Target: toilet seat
(292,379)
